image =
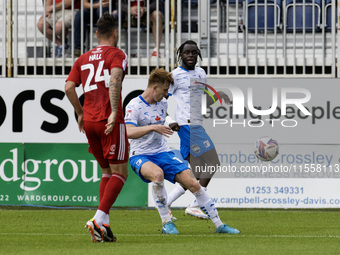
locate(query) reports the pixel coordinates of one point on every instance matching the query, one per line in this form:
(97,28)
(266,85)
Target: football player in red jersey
(101,71)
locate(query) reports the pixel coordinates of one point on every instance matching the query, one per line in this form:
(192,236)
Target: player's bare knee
(158,176)
(125,174)
(106,170)
(122,170)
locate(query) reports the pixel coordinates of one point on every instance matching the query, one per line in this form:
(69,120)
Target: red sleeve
(119,59)
(75,74)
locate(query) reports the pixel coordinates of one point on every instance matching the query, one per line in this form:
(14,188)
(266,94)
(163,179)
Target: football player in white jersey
(152,159)
(196,145)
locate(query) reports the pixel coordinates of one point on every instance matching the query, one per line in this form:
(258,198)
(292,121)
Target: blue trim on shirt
(184,69)
(131,123)
(141,98)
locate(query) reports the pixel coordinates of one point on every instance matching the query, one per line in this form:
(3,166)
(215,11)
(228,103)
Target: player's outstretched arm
(134,132)
(115,89)
(70,90)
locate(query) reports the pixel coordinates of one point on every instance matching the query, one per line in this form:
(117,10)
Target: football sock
(100,217)
(102,185)
(208,206)
(107,219)
(160,197)
(194,203)
(176,193)
(112,190)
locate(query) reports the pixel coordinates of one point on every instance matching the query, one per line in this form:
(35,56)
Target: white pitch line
(182,235)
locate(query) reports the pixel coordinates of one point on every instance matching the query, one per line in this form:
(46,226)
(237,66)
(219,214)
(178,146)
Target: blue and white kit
(153,146)
(188,94)
(140,113)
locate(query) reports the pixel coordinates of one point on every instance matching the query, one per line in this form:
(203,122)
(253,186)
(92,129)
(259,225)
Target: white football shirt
(140,113)
(188,95)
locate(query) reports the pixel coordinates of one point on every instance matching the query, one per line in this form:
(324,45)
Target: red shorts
(107,149)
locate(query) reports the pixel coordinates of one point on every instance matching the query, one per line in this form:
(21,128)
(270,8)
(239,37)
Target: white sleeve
(204,76)
(172,87)
(131,115)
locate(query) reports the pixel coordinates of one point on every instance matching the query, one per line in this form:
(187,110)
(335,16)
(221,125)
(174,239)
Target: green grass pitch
(47,231)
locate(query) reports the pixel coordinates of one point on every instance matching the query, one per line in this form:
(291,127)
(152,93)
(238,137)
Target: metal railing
(247,38)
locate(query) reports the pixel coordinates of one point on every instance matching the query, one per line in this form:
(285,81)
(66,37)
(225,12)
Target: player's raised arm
(114,94)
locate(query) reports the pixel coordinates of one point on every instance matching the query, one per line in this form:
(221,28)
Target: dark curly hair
(180,49)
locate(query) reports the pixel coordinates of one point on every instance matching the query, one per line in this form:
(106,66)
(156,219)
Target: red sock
(102,185)
(112,190)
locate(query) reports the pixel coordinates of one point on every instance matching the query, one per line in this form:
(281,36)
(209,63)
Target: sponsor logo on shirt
(128,114)
(112,149)
(98,50)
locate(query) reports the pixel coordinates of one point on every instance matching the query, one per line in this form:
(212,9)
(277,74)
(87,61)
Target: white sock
(160,198)
(208,206)
(176,193)
(100,217)
(107,220)
(194,203)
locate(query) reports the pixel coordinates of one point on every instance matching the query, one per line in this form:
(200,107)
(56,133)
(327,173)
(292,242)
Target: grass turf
(46,231)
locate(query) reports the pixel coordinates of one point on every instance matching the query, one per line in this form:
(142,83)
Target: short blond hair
(160,76)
